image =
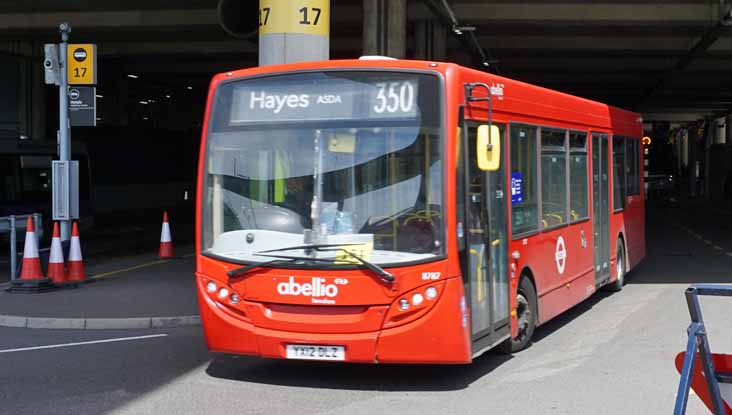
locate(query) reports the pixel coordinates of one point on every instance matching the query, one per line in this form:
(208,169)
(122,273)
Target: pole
(13,248)
(64,145)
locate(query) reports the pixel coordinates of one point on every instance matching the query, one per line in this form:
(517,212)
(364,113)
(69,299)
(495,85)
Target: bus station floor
(128,292)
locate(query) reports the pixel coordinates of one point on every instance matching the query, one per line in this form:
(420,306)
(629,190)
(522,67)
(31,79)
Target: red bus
(385,211)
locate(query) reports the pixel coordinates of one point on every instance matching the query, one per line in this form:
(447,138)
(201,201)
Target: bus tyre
(617,285)
(526,313)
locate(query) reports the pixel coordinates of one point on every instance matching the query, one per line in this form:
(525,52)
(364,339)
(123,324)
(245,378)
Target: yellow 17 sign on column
(81,64)
(287,16)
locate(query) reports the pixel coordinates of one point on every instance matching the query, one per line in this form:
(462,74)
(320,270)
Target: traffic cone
(56,271)
(76,263)
(166,242)
(31,262)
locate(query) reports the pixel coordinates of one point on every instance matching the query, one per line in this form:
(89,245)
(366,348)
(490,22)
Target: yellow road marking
(147,264)
(134,267)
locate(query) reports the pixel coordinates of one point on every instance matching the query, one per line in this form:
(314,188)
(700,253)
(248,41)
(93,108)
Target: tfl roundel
(560,255)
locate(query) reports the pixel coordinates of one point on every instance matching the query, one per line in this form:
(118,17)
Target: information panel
(328,99)
(83,106)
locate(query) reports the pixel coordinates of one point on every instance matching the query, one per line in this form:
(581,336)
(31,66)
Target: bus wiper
(315,247)
(239,273)
(381,272)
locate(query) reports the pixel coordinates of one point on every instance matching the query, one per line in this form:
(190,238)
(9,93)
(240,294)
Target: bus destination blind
(328,99)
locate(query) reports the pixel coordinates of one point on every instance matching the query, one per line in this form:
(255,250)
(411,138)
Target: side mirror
(488,150)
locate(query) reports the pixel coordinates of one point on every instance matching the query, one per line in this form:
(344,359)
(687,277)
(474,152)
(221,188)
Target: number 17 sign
(81,64)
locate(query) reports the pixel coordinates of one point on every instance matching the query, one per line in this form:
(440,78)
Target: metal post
(37,227)
(64,147)
(13,248)
(687,371)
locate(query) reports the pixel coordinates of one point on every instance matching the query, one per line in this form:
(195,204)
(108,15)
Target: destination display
(324,99)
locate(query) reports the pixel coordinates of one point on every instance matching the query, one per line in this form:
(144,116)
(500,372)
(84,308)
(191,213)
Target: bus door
(485,250)
(600,208)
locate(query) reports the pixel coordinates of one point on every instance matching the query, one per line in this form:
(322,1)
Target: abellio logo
(316,289)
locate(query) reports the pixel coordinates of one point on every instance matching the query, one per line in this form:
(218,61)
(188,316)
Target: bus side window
(632,154)
(619,178)
(553,177)
(524,208)
(578,177)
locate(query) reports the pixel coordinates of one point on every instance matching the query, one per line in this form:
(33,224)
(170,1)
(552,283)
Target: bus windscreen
(353,158)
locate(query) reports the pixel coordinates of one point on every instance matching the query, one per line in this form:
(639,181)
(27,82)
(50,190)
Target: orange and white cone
(166,241)
(31,261)
(76,263)
(56,271)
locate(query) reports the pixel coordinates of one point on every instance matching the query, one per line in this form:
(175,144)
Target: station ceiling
(669,59)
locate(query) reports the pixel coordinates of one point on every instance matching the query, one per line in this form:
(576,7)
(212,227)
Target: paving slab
(144,292)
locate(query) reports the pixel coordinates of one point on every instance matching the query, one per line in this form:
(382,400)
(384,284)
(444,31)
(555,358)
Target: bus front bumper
(438,337)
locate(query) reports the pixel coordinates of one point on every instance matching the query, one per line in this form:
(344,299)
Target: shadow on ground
(378,377)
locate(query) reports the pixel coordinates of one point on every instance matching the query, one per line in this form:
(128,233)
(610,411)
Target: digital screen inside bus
(288,98)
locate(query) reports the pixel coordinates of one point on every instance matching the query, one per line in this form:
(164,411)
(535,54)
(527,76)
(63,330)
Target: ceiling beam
(699,48)
(607,12)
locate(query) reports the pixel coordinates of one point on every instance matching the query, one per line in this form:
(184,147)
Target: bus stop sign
(81,64)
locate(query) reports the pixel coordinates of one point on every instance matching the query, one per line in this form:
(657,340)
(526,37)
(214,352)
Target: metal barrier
(11,224)
(698,345)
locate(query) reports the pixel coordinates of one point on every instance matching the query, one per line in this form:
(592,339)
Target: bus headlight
(431,293)
(413,304)
(223,293)
(211,287)
(417,299)
(234,298)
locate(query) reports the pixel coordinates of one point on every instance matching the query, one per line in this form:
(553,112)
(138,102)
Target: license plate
(315,352)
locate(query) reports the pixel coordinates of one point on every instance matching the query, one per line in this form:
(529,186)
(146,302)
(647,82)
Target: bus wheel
(526,318)
(619,267)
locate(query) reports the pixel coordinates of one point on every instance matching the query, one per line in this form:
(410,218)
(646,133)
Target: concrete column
(720,131)
(430,39)
(293,31)
(24,98)
(693,159)
(115,94)
(37,94)
(385,28)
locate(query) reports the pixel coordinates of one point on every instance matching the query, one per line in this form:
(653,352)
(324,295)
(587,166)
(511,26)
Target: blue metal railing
(698,344)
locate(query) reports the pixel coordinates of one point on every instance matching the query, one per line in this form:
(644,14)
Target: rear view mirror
(488,151)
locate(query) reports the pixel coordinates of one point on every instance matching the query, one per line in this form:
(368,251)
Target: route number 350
(394,97)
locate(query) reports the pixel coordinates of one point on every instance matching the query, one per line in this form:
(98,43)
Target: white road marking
(55,346)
